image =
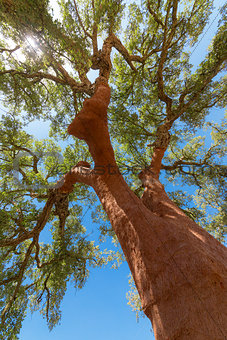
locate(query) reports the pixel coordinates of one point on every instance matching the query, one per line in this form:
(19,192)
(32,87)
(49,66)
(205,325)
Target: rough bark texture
(179,269)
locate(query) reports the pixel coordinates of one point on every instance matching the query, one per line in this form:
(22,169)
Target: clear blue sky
(99,311)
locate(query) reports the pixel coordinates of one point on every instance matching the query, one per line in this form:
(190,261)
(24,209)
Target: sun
(29,44)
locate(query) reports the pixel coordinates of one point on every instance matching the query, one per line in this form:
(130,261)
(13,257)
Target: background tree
(155,91)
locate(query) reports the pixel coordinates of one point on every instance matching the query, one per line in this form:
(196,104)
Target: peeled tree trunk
(178,268)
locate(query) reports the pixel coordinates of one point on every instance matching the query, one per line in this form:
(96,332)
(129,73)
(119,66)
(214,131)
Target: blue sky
(100,311)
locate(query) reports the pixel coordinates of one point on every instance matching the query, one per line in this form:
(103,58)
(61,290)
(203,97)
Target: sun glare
(31,42)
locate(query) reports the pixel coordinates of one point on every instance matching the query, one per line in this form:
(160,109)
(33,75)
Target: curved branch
(167,39)
(90,125)
(80,173)
(154,14)
(19,281)
(9,50)
(35,158)
(75,86)
(36,75)
(80,21)
(43,218)
(204,82)
(124,52)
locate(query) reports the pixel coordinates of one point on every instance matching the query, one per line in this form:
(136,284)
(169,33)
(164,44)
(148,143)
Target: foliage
(45,70)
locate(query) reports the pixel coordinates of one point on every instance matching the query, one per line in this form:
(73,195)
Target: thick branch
(90,125)
(95,39)
(174,22)
(106,64)
(80,173)
(161,93)
(156,161)
(102,57)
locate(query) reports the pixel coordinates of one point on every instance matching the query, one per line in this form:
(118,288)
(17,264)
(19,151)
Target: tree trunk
(178,268)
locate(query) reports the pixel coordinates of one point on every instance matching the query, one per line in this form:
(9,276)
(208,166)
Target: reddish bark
(179,269)
(90,124)
(156,161)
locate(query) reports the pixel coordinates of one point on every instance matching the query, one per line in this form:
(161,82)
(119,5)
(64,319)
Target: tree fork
(178,268)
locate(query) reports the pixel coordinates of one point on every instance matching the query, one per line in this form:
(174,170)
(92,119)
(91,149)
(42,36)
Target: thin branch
(182,107)
(9,50)
(5,281)
(35,158)
(19,281)
(154,14)
(84,86)
(193,175)
(80,21)
(124,52)
(94,32)
(39,298)
(48,301)
(146,132)
(37,75)
(42,220)
(37,252)
(179,163)
(165,46)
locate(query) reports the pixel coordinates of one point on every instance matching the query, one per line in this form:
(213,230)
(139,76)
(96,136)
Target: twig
(80,21)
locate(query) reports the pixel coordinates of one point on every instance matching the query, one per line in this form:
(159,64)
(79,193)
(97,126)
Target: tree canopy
(158,99)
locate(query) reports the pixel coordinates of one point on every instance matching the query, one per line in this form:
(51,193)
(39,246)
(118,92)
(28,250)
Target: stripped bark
(179,269)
